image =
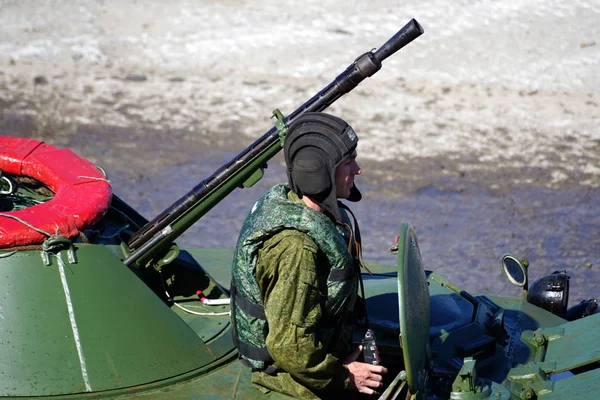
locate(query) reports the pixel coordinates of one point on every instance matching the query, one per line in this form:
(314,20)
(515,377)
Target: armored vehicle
(98,302)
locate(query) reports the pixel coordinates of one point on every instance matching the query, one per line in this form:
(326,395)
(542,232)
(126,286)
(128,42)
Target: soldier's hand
(364,378)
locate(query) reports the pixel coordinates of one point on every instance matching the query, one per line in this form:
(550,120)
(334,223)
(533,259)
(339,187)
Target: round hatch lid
(413,301)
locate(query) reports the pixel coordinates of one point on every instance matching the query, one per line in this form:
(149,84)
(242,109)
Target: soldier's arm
(286,273)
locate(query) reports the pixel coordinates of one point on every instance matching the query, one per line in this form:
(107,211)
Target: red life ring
(82,193)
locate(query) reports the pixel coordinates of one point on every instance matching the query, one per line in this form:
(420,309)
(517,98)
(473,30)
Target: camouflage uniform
(290,261)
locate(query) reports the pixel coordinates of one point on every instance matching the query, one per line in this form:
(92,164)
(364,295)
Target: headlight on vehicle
(551,293)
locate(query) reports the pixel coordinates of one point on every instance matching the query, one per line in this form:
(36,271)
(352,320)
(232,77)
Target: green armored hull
(95,328)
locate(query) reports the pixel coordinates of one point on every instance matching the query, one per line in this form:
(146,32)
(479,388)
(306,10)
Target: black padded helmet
(316,143)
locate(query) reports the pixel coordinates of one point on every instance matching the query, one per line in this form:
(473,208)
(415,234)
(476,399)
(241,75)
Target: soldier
(296,271)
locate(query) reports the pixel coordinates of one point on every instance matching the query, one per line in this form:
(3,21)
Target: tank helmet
(316,143)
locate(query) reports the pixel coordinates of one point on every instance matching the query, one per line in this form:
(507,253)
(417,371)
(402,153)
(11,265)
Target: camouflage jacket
(293,265)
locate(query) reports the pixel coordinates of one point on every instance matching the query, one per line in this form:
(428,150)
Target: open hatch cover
(413,301)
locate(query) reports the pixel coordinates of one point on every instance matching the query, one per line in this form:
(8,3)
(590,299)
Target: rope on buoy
(27,224)
(95,178)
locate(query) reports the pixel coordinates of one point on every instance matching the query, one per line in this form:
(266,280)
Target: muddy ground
(483,133)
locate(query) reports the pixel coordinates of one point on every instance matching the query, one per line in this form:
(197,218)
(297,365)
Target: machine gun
(246,168)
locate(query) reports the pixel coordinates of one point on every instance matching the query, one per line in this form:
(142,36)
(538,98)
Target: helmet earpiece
(310,171)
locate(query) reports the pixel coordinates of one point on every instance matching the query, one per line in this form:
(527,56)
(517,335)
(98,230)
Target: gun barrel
(194,204)
(404,36)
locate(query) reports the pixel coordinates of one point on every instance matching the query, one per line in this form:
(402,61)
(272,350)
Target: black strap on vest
(343,274)
(255,353)
(250,308)
(246,350)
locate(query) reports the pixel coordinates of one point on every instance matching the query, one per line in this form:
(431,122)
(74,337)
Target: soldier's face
(344,176)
